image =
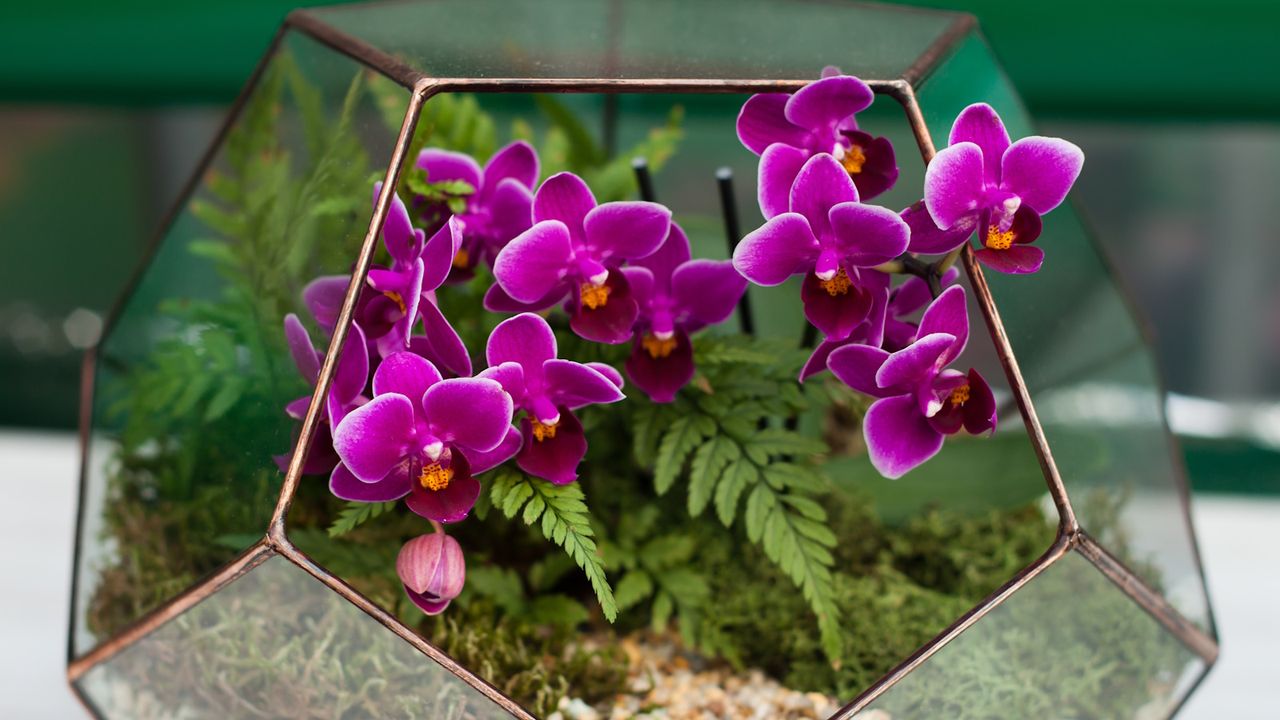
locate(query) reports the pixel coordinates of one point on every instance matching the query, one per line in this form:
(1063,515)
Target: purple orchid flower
(433,571)
(981,181)
(919,400)
(573,250)
(398,298)
(677,297)
(500,208)
(831,238)
(522,357)
(345,391)
(423,437)
(787,130)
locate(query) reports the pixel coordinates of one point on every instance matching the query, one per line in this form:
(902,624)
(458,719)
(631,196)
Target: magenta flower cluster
(815,173)
(407,417)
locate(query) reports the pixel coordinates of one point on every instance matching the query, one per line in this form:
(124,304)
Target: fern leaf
(685,434)
(740,475)
(708,463)
(356,514)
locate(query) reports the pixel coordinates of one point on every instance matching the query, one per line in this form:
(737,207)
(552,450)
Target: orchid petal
(445,165)
(376,436)
(324,296)
(497,300)
(608,371)
(484,461)
(661,377)
(821,184)
(300,347)
(868,235)
(836,315)
(762,122)
(471,412)
(402,241)
(1017,260)
(915,363)
(928,239)
(980,410)
(510,375)
(345,485)
(779,166)
(438,254)
(898,437)
(662,263)
(981,125)
(857,366)
(352,373)
(610,323)
(948,314)
(451,504)
(953,184)
(708,290)
(1041,171)
(828,101)
(516,161)
(532,264)
(574,385)
(564,197)
(446,344)
(626,229)
(554,458)
(525,339)
(511,213)
(782,247)
(405,374)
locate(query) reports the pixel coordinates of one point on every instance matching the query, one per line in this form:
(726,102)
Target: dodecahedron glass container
(200,588)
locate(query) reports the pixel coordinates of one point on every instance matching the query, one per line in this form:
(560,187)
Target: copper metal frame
(1070,536)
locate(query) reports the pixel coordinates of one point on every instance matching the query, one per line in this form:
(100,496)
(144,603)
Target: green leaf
(777,441)
(708,463)
(685,434)
(225,398)
(564,521)
(634,587)
(660,613)
(356,514)
(740,475)
(759,503)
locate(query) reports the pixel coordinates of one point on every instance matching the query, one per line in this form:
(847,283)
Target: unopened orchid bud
(433,571)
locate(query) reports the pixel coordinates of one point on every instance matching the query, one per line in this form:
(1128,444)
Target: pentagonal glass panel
(720,39)
(194,374)
(1090,372)
(1068,644)
(903,575)
(278,643)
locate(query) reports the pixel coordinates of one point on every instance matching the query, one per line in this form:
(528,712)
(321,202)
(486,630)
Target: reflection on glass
(719,39)
(277,643)
(1090,373)
(1069,644)
(192,377)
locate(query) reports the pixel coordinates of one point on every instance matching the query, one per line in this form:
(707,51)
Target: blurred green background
(105,109)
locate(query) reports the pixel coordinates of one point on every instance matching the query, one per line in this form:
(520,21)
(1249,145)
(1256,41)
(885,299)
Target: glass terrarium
(636,540)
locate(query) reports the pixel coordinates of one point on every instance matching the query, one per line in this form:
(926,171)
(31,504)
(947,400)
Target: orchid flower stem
(643,179)
(732,234)
(908,264)
(437,526)
(941,267)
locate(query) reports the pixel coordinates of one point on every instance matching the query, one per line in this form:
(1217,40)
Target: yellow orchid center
(595,296)
(840,284)
(542,432)
(960,396)
(658,347)
(853,159)
(397,299)
(462,258)
(434,477)
(998,239)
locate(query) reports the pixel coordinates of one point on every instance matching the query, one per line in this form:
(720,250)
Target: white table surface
(38,470)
